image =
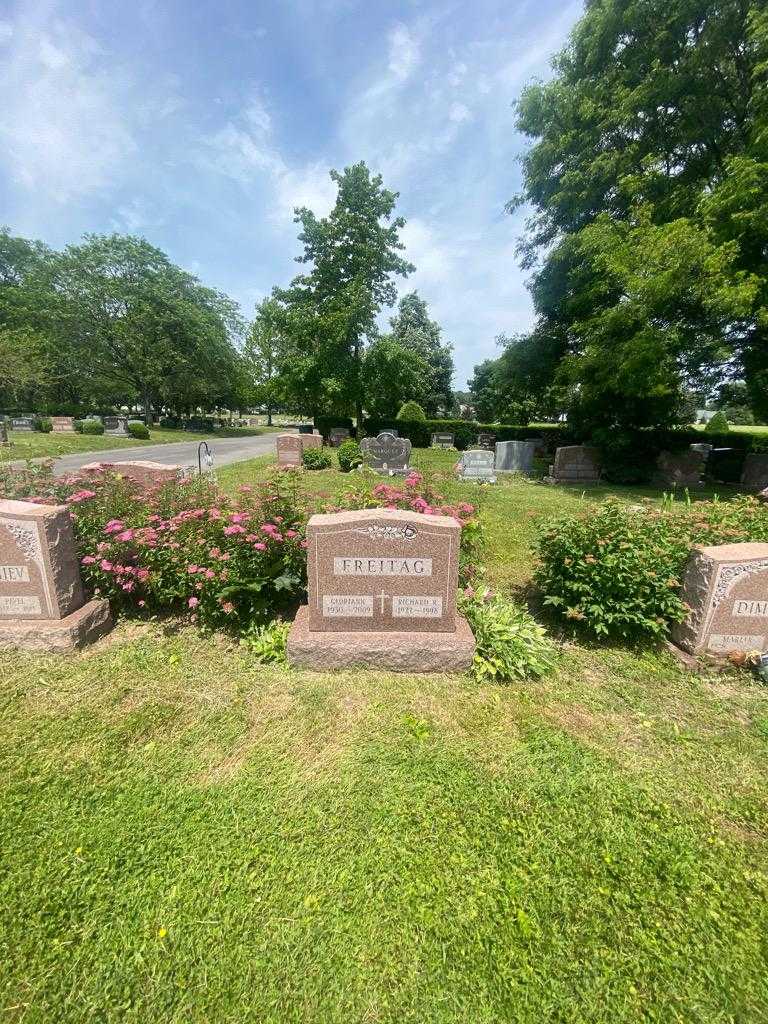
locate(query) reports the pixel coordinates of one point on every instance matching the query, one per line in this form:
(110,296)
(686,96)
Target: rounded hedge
(139,431)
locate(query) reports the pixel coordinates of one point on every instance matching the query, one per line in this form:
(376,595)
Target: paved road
(178,453)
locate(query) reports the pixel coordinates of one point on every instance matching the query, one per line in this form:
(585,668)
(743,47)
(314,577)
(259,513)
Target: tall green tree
(413,329)
(647,176)
(393,374)
(265,355)
(329,311)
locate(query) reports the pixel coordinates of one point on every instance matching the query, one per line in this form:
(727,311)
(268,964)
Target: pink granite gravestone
(63,424)
(311,441)
(289,449)
(382,592)
(726,587)
(144,473)
(42,606)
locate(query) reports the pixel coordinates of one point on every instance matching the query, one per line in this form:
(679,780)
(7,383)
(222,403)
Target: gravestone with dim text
(726,588)
(478,465)
(486,441)
(116,425)
(443,440)
(386,453)
(576,464)
(382,593)
(338,436)
(22,423)
(289,449)
(42,606)
(515,456)
(311,441)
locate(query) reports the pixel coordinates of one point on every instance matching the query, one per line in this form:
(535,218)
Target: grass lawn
(34,445)
(189,836)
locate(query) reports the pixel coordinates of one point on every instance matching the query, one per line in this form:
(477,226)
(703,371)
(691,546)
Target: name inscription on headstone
(382,570)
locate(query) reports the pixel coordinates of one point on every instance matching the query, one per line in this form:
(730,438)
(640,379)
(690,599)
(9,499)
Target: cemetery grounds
(187,835)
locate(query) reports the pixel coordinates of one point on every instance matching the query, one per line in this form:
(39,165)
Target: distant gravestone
(116,425)
(142,472)
(515,456)
(754,475)
(576,463)
(42,606)
(442,440)
(382,592)
(487,442)
(477,464)
(337,436)
(681,469)
(289,449)
(386,453)
(22,423)
(726,588)
(311,440)
(63,424)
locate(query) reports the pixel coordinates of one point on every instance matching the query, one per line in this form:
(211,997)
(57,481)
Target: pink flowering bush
(417,493)
(187,547)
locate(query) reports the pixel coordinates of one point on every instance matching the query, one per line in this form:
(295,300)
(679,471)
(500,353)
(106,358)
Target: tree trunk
(269,415)
(147,408)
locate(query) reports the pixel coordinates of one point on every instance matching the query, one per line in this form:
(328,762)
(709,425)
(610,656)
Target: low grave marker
(337,436)
(382,592)
(289,448)
(726,587)
(477,464)
(515,456)
(681,469)
(386,453)
(22,423)
(63,424)
(443,440)
(487,442)
(576,463)
(145,473)
(42,606)
(116,425)
(311,441)
(754,474)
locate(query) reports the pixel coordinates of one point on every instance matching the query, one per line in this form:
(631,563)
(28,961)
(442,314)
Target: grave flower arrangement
(187,547)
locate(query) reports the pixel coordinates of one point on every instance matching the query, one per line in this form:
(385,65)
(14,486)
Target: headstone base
(397,652)
(58,636)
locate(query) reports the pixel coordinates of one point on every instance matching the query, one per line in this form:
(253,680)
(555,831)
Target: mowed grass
(34,445)
(188,836)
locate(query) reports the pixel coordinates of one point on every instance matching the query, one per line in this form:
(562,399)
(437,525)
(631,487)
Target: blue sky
(200,125)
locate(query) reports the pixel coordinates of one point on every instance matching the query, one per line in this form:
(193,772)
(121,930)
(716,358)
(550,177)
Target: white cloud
(6,31)
(404,52)
(459,112)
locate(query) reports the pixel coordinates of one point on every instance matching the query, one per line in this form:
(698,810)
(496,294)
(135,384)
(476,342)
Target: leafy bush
(326,423)
(268,642)
(718,424)
(411,411)
(140,431)
(77,426)
(510,643)
(617,569)
(316,458)
(349,456)
(92,427)
(43,425)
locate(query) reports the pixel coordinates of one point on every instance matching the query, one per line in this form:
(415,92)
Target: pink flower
(269,528)
(126,535)
(114,526)
(193,602)
(227,607)
(142,603)
(78,496)
(291,533)
(210,574)
(305,543)
(106,566)
(88,560)
(192,569)
(260,546)
(230,531)
(128,586)
(214,513)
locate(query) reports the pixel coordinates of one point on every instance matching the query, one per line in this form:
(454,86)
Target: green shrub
(140,431)
(617,569)
(317,458)
(411,411)
(268,642)
(43,425)
(348,454)
(510,643)
(718,424)
(77,426)
(92,427)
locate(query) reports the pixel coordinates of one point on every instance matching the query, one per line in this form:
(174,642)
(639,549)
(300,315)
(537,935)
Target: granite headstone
(442,440)
(386,453)
(477,464)
(515,456)
(576,463)
(681,469)
(289,448)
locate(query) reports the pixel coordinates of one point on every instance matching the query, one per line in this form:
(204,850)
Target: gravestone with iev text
(726,588)
(442,440)
(382,592)
(477,464)
(42,606)
(386,453)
